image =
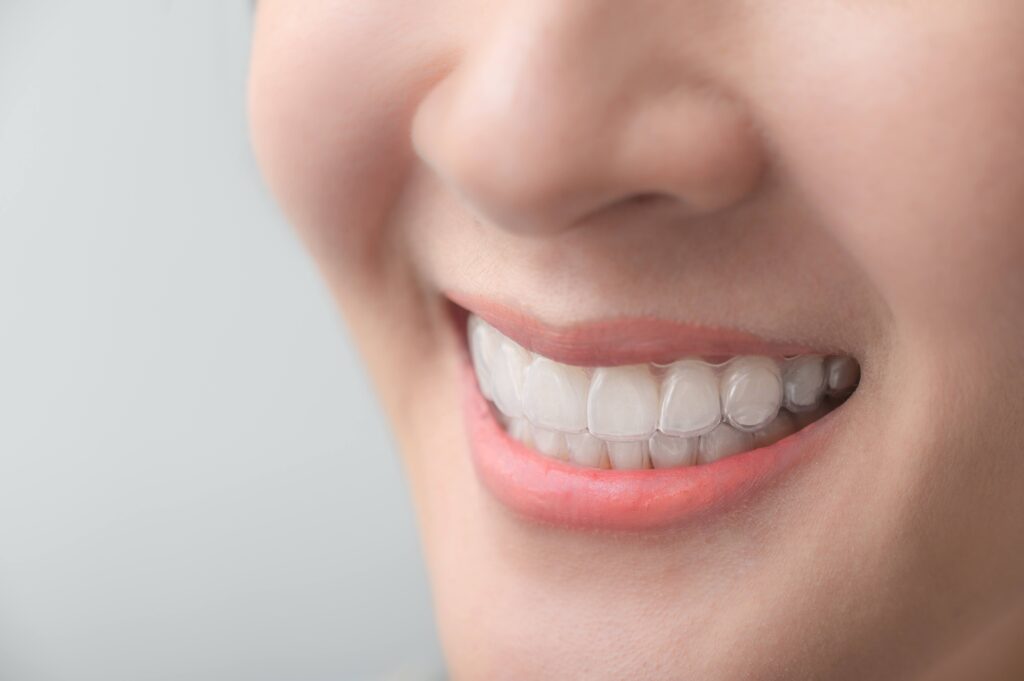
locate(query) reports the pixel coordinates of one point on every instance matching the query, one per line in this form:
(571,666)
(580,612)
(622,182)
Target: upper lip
(625,340)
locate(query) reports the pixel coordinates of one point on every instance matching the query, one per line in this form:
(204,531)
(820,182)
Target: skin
(844,174)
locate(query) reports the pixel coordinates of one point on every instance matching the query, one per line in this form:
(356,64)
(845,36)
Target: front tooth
(843,374)
(507,376)
(550,443)
(782,426)
(723,441)
(672,452)
(627,455)
(691,404)
(804,382)
(751,392)
(555,396)
(587,450)
(483,348)
(623,403)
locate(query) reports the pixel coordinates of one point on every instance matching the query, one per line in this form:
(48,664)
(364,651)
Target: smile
(625,444)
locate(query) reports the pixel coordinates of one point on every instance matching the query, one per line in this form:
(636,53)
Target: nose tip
(535,138)
(521,168)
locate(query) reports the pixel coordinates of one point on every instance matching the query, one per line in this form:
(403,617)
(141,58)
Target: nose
(564,110)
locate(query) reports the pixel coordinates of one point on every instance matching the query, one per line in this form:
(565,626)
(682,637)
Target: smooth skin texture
(846,174)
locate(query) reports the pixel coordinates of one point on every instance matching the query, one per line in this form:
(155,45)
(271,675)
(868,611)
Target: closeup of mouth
(637,423)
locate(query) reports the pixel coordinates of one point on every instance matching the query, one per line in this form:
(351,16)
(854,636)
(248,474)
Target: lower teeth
(658,451)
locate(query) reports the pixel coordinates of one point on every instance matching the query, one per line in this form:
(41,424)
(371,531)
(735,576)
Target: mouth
(635,424)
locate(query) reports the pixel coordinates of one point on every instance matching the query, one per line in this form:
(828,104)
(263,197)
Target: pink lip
(550,491)
(624,341)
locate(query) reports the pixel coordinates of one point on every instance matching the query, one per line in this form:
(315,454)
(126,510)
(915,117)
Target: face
(615,186)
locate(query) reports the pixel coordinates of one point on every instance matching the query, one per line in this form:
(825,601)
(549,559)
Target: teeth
(555,396)
(520,429)
(723,441)
(672,452)
(627,455)
(805,418)
(751,392)
(690,405)
(843,374)
(687,413)
(804,382)
(623,403)
(507,377)
(483,346)
(587,450)
(783,426)
(551,443)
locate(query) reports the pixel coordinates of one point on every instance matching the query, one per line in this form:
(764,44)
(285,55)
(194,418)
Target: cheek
(331,96)
(905,133)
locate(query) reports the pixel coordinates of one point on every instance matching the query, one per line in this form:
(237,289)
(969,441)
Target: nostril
(637,206)
(632,205)
(644,198)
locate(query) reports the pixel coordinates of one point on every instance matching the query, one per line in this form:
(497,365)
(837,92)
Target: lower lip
(550,491)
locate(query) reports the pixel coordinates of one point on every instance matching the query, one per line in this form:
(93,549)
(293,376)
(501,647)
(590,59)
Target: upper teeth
(690,399)
(555,395)
(623,403)
(684,400)
(751,391)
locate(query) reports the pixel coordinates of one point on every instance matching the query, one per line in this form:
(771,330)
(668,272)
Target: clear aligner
(653,415)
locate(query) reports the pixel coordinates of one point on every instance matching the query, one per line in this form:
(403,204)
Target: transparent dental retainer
(691,411)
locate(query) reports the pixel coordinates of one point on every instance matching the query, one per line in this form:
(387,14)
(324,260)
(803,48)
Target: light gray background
(195,482)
